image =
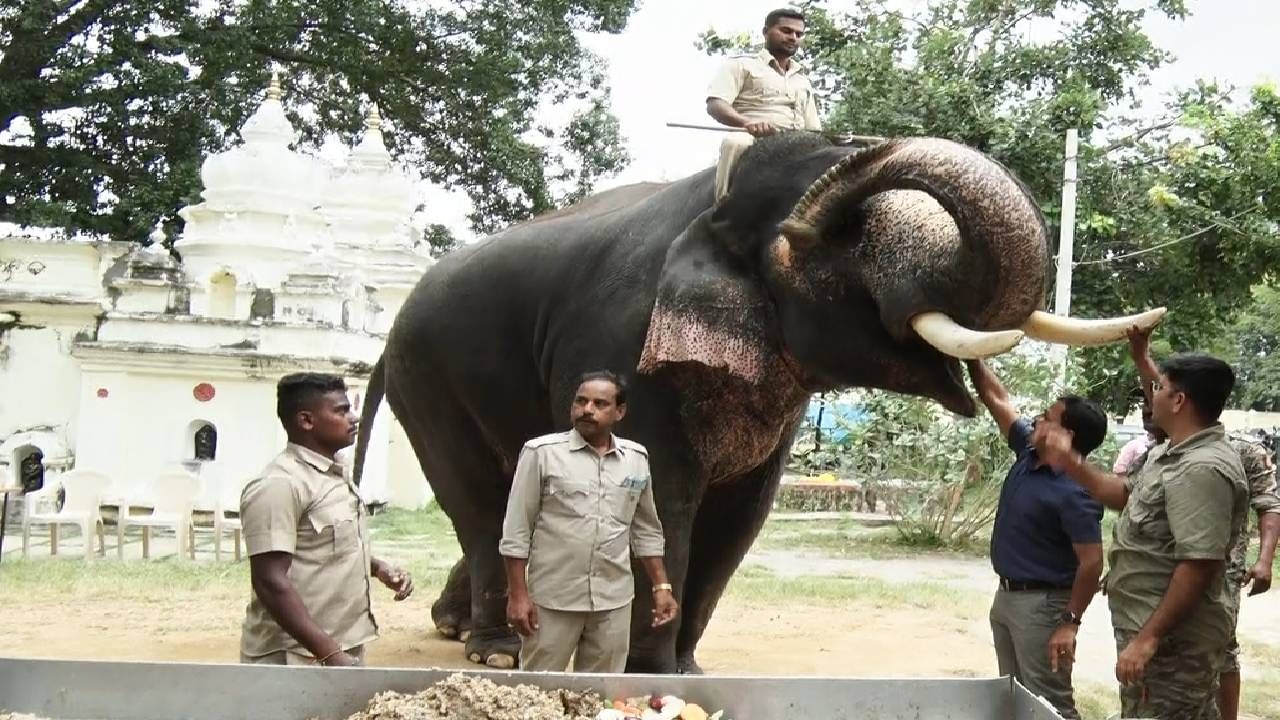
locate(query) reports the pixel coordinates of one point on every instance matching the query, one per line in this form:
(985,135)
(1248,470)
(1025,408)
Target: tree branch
(1137,135)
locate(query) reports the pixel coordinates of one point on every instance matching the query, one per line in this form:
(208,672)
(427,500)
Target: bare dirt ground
(801,640)
(752,634)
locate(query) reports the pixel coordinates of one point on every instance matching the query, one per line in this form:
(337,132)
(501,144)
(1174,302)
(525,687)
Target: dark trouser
(1177,684)
(1021,624)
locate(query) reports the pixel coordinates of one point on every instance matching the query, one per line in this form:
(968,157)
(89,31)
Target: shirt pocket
(336,528)
(1146,510)
(563,496)
(624,495)
(759,85)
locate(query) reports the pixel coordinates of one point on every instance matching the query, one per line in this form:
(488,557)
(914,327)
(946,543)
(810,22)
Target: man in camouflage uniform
(1182,513)
(1261,477)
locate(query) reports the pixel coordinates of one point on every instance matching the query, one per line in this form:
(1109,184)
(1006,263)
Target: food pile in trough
(461,697)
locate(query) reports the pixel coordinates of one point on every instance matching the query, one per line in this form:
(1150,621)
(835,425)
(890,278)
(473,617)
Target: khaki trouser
(598,641)
(731,148)
(287,657)
(1021,623)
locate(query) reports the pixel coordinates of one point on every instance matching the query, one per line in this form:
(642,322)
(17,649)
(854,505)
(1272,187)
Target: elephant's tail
(373,398)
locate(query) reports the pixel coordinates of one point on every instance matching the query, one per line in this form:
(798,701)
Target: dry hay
(460,697)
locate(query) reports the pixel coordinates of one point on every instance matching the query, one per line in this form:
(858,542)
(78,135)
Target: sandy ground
(859,639)
(801,640)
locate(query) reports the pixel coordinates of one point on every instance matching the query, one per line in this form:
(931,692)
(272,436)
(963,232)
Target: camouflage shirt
(1188,502)
(1261,479)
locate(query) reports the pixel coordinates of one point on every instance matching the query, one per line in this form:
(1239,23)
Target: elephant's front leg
(451,612)
(491,642)
(728,520)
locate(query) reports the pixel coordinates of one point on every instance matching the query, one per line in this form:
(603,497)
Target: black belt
(1021,585)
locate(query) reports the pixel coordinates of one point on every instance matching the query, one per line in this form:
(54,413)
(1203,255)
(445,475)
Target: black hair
(773,17)
(1085,420)
(1206,380)
(299,391)
(619,385)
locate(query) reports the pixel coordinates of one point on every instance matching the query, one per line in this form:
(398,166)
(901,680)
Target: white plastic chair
(84,489)
(225,501)
(172,498)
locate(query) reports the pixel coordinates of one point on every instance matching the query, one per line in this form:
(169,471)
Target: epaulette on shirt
(550,439)
(633,445)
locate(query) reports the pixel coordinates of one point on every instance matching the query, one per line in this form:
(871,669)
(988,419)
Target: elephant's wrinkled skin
(726,324)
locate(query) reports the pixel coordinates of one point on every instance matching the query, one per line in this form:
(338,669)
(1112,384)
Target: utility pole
(1066,251)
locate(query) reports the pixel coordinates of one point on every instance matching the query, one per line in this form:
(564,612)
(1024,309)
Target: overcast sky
(657,76)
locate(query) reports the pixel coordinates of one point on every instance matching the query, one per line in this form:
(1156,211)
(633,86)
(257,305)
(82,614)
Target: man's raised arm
(993,395)
(1053,444)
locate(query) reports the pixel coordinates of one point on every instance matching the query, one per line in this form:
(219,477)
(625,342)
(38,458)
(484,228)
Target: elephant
(824,268)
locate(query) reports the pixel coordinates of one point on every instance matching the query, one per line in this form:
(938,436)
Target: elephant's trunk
(940,228)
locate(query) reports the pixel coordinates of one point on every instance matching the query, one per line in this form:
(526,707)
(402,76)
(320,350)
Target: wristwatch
(662,586)
(1069,617)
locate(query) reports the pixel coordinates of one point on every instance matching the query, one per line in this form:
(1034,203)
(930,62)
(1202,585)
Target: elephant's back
(542,289)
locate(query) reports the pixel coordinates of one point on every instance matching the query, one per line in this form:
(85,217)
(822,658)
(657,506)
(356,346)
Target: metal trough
(97,690)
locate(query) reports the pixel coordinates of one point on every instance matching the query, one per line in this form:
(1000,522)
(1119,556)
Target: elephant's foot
(686,665)
(451,617)
(497,648)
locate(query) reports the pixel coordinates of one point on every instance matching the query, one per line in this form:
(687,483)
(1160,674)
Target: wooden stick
(843,137)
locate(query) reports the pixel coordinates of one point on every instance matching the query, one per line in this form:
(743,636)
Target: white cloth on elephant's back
(577,516)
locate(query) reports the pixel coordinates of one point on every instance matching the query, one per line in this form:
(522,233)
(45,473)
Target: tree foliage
(1256,353)
(107,107)
(939,475)
(1177,208)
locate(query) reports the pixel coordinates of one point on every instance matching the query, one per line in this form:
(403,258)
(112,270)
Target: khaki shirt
(577,516)
(1261,479)
(755,87)
(1188,502)
(302,505)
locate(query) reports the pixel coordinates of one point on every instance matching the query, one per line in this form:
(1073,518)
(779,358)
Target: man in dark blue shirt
(1046,546)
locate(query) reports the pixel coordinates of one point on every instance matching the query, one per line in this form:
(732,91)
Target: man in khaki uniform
(581,503)
(307,537)
(1181,514)
(762,93)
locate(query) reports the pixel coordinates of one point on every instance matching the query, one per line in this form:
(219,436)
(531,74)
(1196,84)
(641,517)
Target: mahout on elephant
(823,268)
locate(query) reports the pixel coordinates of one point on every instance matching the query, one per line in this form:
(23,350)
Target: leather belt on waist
(1022,585)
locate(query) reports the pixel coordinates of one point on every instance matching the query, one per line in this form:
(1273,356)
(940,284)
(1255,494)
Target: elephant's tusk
(800,234)
(958,341)
(1074,331)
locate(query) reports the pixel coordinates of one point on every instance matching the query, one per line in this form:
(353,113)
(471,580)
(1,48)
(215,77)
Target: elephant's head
(880,268)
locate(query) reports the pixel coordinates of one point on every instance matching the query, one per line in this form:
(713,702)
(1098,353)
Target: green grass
(846,538)
(754,583)
(1260,682)
(1096,701)
(421,541)
(25,579)
(396,524)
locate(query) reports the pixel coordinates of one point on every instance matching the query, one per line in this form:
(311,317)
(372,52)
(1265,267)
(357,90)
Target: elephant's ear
(711,308)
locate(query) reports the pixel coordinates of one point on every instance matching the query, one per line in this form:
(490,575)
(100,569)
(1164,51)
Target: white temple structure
(131,360)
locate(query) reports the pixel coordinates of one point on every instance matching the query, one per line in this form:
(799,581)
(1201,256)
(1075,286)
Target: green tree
(107,107)
(440,240)
(1177,210)
(1256,357)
